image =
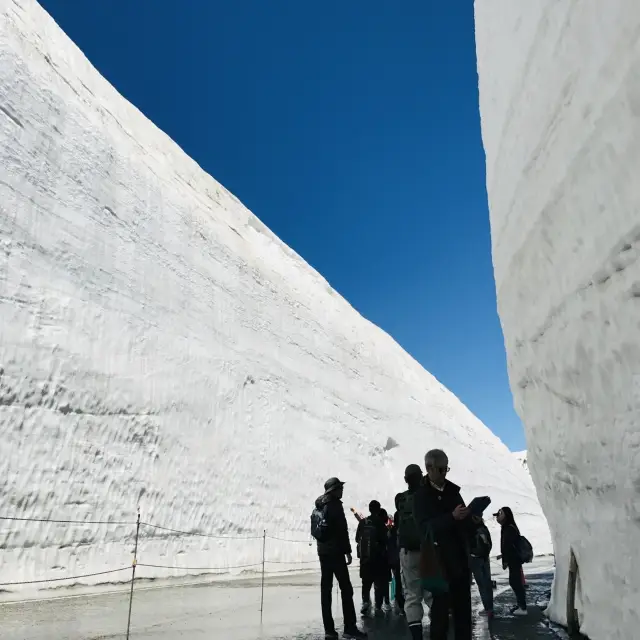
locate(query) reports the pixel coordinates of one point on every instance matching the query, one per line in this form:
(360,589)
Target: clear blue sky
(351,128)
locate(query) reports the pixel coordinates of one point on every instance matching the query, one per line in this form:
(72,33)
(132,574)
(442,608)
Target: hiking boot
(354,634)
(519,612)
(386,607)
(366,605)
(331,635)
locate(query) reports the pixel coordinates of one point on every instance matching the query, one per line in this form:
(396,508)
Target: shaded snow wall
(161,348)
(560,108)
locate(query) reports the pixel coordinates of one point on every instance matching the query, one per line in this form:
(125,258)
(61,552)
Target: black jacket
(509,537)
(338,543)
(433,511)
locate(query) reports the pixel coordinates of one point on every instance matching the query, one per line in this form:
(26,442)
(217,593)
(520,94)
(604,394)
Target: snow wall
(560,108)
(161,348)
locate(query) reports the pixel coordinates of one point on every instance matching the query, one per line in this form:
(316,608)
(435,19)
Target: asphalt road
(231,610)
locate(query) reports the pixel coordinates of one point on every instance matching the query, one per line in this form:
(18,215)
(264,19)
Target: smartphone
(478,505)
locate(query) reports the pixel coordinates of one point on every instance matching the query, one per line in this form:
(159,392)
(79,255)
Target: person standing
(371,538)
(394,563)
(480,566)
(509,540)
(409,550)
(443,518)
(334,552)
(385,564)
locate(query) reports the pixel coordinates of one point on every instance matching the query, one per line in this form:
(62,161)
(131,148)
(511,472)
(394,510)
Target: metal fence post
(133,573)
(264,547)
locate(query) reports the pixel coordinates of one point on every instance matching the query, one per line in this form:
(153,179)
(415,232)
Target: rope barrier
(294,563)
(128,524)
(86,575)
(152,526)
(201,535)
(165,566)
(289,540)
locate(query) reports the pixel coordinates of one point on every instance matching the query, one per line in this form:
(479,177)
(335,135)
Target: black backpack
(320,524)
(369,542)
(525,550)
(408,532)
(481,542)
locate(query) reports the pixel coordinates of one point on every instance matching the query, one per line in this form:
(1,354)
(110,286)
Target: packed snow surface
(161,349)
(560,107)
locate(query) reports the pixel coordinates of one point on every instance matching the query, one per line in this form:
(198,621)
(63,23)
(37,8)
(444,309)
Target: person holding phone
(442,515)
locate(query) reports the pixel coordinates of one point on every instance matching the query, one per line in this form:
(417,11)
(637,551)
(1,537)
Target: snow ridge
(162,349)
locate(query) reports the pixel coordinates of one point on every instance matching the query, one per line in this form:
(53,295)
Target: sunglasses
(440,469)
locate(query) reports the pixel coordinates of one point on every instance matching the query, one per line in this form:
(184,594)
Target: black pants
(374,573)
(459,599)
(515,582)
(395,569)
(329,566)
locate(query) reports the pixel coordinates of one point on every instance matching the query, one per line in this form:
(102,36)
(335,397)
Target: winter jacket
(338,543)
(509,538)
(433,511)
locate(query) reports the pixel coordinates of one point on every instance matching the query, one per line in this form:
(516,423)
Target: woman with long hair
(509,541)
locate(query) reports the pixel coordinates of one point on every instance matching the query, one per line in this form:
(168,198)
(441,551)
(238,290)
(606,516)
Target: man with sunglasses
(441,515)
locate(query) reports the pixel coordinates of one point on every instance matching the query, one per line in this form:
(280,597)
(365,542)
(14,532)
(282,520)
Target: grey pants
(482,573)
(412,585)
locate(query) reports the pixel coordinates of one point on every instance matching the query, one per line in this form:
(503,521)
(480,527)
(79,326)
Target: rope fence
(84,575)
(139,524)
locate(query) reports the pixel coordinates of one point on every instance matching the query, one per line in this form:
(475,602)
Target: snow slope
(161,348)
(560,107)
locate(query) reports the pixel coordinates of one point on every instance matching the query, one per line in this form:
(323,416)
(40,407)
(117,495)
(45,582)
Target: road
(231,610)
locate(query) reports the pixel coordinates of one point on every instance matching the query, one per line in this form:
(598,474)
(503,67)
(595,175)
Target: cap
(332,484)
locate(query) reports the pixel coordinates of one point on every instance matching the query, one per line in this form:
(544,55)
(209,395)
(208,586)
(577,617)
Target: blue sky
(352,130)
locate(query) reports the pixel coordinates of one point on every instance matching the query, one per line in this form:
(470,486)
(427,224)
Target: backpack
(481,542)
(320,524)
(408,532)
(524,549)
(368,544)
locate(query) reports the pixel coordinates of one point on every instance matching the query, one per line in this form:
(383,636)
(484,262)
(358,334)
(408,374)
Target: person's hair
(374,507)
(383,514)
(435,455)
(508,516)
(413,475)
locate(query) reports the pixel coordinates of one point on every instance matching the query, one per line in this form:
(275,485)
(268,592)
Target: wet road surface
(231,610)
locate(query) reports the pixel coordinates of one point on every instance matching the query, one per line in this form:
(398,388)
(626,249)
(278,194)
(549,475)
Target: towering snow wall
(161,348)
(560,107)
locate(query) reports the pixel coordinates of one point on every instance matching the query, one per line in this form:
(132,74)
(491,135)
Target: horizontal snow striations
(161,348)
(560,107)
